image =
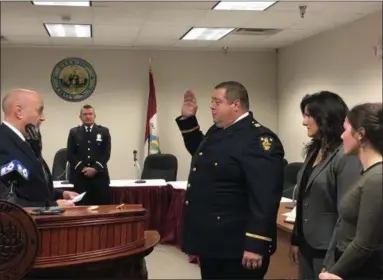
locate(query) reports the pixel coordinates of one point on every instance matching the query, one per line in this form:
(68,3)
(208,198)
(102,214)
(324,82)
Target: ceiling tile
(113,16)
(162,23)
(71,41)
(186,18)
(313,6)
(49,14)
(156,31)
(157,5)
(115,31)
(225,19)
(32,40)
(193,44)
(279,20)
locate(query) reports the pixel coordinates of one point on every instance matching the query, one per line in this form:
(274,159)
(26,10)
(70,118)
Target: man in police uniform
(88,153)
(234,187)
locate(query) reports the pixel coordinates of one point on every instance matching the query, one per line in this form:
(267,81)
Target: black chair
(160,166)
(60,166)
(290,178)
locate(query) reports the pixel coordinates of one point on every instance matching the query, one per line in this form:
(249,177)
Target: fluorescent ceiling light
(206,33)
(243,6)
(69,30)
(62,3)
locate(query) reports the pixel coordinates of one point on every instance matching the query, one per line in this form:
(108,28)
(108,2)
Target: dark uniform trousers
(90,148)
(232,198)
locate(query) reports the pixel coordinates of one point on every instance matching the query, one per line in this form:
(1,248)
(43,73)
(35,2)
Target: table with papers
(162,200)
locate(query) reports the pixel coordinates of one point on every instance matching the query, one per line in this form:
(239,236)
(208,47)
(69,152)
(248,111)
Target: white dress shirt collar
(15,130)
(240,118)
(90,128)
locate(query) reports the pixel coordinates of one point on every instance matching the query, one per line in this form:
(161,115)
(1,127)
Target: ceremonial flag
(151,134)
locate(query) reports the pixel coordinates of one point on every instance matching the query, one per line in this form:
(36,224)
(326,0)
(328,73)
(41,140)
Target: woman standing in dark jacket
(326,172)
(358,243)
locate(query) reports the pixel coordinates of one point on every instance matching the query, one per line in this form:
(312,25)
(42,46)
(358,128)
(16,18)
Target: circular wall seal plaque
(73,79)
(19,241)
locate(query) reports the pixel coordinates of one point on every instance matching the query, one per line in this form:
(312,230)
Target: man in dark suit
(22,107)
(88,149)
(234,187)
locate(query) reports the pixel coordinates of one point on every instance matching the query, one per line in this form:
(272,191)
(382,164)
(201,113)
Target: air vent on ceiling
(255,31)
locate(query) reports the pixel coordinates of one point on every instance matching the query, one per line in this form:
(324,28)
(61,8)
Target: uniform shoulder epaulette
(255,123)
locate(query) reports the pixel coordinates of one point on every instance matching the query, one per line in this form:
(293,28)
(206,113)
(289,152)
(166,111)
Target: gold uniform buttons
(200,153)
(194,169)
(215,163)
(188,186)
(186,202)
(218,217)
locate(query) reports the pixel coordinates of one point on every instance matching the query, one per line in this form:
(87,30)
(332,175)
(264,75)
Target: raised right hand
(64,203)
(294,254)
(189,107)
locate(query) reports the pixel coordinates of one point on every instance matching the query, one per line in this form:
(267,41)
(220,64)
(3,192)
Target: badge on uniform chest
(99,138)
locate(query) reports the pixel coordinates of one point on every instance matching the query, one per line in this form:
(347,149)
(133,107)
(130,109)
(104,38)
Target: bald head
(22,106)
(18,97)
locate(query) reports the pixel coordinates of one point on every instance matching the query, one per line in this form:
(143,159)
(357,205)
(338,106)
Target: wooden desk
(280,263)
(82,244)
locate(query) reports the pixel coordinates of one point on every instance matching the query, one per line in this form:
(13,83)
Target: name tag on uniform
(99,138)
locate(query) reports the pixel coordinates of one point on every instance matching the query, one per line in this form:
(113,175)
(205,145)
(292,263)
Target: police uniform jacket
(234,189)
(89,149)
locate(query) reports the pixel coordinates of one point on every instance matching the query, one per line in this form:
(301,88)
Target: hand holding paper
(78,198)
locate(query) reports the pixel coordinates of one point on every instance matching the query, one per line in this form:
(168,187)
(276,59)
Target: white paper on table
(178,184)
(78,198)
(132,183)
(59,184)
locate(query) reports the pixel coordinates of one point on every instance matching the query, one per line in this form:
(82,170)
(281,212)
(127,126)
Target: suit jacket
(36,191)
(327,184)
(89,150)
(234,189)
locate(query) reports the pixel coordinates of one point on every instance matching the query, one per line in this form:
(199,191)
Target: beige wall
(122,91)
(340,60)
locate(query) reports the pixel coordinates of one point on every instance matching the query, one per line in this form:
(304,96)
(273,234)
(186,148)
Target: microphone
(10,174)
(136,164)
(34,138)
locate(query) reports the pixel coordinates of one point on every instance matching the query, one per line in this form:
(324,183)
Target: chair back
(160,166)
(290,178)
(59,168)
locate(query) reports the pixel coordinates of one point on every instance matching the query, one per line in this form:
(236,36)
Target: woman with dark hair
(321,181)
(359,241)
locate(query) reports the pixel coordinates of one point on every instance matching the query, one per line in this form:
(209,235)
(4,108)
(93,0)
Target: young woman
(359,241)
(321,181)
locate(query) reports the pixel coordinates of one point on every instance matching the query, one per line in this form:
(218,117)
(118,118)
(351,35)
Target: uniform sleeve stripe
(256,236)
(190,130)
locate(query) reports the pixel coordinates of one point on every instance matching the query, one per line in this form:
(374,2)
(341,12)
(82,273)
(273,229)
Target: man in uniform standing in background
(234,187)
(88,152)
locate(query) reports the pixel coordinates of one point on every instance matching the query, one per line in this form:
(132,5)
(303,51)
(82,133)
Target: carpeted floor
(168,262)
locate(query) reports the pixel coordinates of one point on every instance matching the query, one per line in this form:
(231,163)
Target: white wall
(341,60)
(122,91)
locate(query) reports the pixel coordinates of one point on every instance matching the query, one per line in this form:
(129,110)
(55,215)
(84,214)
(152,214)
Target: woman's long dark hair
(370,117)
(329,112)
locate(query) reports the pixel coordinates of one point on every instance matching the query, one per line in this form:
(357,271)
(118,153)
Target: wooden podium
(281,266)
(108,242)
